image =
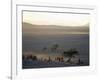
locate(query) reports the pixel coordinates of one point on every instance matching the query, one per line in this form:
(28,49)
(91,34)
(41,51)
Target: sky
(61,19)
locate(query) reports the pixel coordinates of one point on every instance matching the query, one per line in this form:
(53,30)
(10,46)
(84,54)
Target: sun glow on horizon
(42,18)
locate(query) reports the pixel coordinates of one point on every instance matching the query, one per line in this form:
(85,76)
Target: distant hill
(32,29)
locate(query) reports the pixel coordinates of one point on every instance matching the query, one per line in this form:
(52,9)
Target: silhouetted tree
(34,58)
(70,53)
(54,47)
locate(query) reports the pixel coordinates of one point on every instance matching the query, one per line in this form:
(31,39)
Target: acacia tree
(70,54)
(54,47)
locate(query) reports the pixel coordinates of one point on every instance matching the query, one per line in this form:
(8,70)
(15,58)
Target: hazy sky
(44,18)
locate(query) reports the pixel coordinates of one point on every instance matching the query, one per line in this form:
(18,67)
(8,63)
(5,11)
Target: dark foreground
(27,64)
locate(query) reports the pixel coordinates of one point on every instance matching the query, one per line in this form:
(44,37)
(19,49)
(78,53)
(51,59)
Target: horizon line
(58,25)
